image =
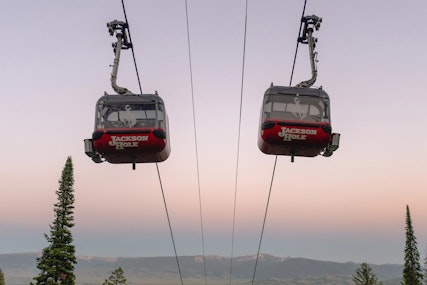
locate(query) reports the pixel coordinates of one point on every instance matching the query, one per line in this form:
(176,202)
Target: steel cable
(275,163)
(195,141)
(238,142)
(133,52)
(169,223)
(157,167)
(263,223)
(296,49)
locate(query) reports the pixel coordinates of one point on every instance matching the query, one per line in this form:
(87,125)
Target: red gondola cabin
(295,121)
(129,129)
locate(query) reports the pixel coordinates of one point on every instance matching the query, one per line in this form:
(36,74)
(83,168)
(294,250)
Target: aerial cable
(296,49)
(157,166)
(195,141)
(265,218)
(131,47)
(275,163)
(238,142)
(169,223)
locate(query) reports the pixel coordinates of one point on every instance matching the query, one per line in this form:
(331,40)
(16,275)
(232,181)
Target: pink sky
(347,207)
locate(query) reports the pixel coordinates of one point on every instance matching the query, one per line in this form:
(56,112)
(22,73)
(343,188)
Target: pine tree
(425,269)
(364,275)
(1,277)
(412,273)
(56,263)
(117,277)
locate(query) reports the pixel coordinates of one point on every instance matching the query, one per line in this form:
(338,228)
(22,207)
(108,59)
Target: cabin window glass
(292,107)
(127,115)
(279,107)
(267,107)
(161,115)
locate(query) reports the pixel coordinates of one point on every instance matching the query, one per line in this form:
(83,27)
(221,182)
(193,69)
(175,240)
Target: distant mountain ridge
(20,268)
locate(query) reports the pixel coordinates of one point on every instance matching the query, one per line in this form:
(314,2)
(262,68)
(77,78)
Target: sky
(56,58)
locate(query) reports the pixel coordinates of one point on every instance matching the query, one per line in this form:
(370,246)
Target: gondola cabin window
(141,115)
(295,108)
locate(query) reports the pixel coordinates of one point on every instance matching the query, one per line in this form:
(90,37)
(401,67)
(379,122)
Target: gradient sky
(349,207)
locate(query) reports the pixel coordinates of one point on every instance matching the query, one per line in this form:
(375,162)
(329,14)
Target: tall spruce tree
(412,273)
(425,269)
(364,275)
(1,277)
(56,264)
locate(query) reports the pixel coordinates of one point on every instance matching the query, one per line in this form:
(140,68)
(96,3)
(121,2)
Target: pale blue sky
(350,207)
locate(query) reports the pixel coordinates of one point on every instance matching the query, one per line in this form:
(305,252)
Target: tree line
(56,264)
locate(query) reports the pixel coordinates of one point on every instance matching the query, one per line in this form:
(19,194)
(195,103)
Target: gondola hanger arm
(306,37)
(121,30)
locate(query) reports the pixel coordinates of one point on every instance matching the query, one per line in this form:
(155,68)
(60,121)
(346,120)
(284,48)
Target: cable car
(129,128)
(295,121)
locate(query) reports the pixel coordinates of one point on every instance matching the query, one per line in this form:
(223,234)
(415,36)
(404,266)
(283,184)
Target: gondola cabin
(295,121)
(129,129)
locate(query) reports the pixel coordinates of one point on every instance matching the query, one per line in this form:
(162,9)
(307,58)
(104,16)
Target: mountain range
(271,270)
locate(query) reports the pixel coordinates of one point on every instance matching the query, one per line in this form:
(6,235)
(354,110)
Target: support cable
(296,49)
(169,223)
(157,166)
(195,141)
(265,218)
(238,142)
(133,52)
(275,162)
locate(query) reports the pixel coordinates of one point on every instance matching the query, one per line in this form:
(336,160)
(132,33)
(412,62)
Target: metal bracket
(121,29)
(306,37)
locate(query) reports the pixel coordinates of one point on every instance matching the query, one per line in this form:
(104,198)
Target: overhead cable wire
(275,163)
(133,52)
(238,142)
(264,221)
(157,166)
(296,48)
(169,223)
(195,141)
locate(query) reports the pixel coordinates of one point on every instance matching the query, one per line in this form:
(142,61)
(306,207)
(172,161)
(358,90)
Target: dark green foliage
(412,273)
(117,277)
(1,277)
(364,275)
(57,261)
(425,269)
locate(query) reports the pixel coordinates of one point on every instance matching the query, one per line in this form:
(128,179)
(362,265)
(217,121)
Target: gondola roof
(303,91)
(132,99)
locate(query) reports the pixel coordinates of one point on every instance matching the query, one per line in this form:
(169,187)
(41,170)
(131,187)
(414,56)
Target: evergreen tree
(116,278)
(1,277)
(56,263)
(364,275)
(425,269)
(412,273)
